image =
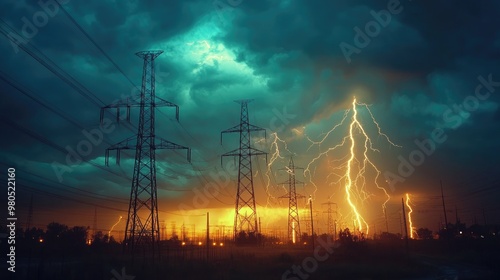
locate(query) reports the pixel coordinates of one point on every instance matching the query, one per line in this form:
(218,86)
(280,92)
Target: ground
(429,259)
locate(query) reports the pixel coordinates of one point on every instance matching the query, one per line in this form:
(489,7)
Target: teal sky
(419,72)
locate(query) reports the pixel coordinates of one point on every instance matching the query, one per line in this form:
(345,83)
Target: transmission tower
(142,226)
(293,210)
(331,227)
(245,210)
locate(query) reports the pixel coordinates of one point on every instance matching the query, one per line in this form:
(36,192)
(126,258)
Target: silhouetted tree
(54,232)
(424,233)
(34,234)
(345,237)
(241,238)
(446,233)
(75,237)
(304,237)
(389,236)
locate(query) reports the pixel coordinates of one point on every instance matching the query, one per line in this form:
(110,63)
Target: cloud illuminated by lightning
(351,169)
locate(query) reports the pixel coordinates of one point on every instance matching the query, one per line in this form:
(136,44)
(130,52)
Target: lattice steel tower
(245,218)
(142,226)
(331,226)
(293,210)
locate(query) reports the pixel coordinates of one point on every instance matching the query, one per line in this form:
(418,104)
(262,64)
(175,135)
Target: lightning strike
(109,232)
(358,218)
(351,170)
(275,155)
(412,229)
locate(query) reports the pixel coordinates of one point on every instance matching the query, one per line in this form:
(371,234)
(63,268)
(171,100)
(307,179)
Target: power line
(52,67)
(94,42)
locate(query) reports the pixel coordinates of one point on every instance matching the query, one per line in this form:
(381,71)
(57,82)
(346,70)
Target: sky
(426,72)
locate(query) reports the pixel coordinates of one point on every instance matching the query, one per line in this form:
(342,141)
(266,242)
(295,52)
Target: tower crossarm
(127,144)
(291,181)
(289,170)
(233,153)
(161,143)
(135,101)
(131,144)
(296,195)
(239,152)
(238,128)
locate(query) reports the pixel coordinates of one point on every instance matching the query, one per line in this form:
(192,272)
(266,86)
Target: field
(429,259)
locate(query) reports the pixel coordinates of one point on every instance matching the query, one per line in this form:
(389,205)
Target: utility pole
(94,226)
(312,221)
(173,228)
(162,229)
(293,210)
(444,207)
(401,225)
(335,230)
(208,234)
(245,196)
(406,227)
(142,226)
(308,223)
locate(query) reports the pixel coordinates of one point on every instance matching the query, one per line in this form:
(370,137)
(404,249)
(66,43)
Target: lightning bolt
(412,229)
(275,155)
(349,182)
(109,232)
(352,169)
(307,171)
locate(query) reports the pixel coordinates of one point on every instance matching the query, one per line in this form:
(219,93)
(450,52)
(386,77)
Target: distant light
(183,243)
(199,243)
(215,244)
(305,243)
(460,232)
(482,236)
(221,244)
(40,240)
